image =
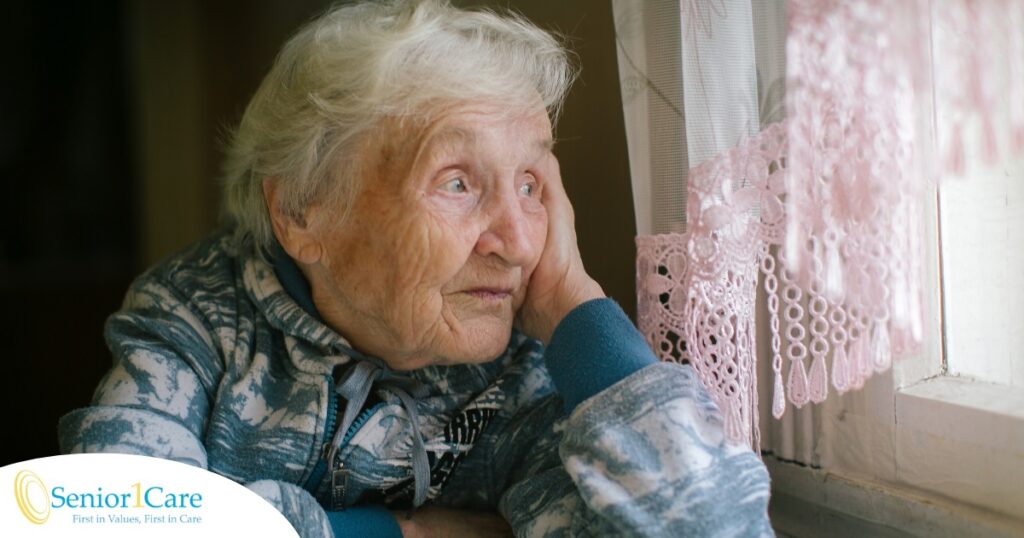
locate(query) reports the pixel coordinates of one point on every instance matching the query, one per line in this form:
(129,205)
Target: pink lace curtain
(820,205)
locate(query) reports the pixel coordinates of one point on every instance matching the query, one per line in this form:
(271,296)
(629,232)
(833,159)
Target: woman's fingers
(560,246)
(560,282)
(554,197)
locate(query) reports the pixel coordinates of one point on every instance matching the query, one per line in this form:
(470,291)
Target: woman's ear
(294,232)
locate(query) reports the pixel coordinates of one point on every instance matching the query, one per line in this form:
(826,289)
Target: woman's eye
(529,188)
(455,186)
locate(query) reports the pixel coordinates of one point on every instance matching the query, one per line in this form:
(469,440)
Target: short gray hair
(347,70)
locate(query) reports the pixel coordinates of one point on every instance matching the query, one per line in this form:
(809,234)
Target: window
(982,244)
(961,433)
(948,423)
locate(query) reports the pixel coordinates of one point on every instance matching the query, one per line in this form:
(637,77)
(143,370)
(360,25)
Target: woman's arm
(644,457)
(156,399)
(643,451)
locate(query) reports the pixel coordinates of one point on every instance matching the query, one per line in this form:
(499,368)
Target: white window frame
(953,435)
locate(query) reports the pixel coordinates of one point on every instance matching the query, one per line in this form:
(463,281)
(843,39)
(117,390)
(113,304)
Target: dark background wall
(113,120)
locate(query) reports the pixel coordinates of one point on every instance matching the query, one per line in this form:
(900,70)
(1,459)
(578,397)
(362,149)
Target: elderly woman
(398,316)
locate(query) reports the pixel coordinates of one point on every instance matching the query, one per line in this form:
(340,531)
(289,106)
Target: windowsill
(810,502)
(956,469)
(966,409)
(964,440)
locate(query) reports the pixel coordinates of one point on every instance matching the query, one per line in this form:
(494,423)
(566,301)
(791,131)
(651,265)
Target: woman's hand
(559,283)
(438,522)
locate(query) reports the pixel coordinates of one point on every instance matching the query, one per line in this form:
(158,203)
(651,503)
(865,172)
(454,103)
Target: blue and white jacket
(217,365)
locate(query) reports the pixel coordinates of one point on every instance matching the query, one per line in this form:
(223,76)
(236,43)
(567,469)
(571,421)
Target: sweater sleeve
(642,451)
(593,348)
(155,401)
(364,522)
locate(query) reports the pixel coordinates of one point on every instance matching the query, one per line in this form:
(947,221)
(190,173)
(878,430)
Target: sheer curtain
(784,148)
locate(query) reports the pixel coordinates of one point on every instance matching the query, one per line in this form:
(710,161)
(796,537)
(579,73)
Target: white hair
(347,70)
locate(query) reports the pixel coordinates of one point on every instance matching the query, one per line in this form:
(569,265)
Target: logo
(32,498)
(127,496)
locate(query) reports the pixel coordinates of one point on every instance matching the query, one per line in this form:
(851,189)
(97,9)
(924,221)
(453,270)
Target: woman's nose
(508,234)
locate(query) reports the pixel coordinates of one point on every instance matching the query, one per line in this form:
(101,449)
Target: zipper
(329,426)
(358,424)
(339,477)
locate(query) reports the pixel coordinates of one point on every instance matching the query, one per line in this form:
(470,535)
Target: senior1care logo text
(36,503)
(115,494)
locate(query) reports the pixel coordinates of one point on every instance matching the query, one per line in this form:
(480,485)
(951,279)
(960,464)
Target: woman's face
(435,257)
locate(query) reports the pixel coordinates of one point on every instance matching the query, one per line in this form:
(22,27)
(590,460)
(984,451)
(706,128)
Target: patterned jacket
(217,366)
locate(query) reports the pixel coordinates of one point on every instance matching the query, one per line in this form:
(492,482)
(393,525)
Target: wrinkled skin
(462,228)
(447,242)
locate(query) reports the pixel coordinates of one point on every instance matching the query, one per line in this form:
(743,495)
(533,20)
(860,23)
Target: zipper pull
(339,476)
(339,483)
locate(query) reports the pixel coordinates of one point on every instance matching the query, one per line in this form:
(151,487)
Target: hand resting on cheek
(559,283)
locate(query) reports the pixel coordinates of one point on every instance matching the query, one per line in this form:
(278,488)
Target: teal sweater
(580,366)
(216,365)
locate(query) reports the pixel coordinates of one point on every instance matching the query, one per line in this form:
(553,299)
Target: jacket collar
(315,347)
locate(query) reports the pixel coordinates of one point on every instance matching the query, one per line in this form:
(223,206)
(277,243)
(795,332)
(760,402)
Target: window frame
(916,450)
(919,431)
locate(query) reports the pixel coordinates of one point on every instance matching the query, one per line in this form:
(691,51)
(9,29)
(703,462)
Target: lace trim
(853,300)
(826,205)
